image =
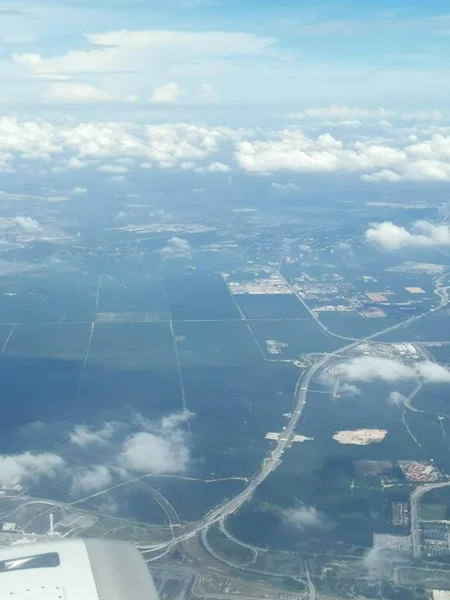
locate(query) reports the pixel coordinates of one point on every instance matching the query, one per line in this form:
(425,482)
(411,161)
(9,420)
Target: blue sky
(272,53)
(216,86)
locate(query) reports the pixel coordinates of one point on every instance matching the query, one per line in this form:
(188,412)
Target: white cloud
(396,398)
(113,169)
(177,248)
(148,453)
(79,191)
(158,449)
(206,93)
(347,114)
(383,175)
(172,93)
(28,467)
(130,49)
(377,160)
(26,224)
(217,167)
(77,145)
(393,237)
(169,93)
(286,187)
(348,389)
(305,518)
(138,446)
(92,479)
(379,561)
(370,368)
(76,163)
(292,150)
(75,92)
(84,437)
(342,113)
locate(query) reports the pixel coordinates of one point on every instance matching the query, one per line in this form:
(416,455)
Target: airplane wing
(77,569)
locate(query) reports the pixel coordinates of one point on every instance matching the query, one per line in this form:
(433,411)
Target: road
(271,462)
(231,537)
(415,517)
(309,583)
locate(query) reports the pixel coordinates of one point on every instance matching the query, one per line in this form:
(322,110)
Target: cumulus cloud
(169,93)
(383,175)
(177,248)
(292,150)
(393,237)
(75,92)
(370,368)
(26,224)
(305,518)
(115,169)
(396,397)
(79,191)
(377,160)
(76,163)
(139,446)
(78,145)
(84,437)
(158,449)
(217,167)
(172,93)
(92,479)
(28,467)
(285,187)
(348,389)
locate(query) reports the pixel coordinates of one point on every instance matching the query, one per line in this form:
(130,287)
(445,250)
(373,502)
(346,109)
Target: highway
(415,517)
(311,588)
(271,462)
(231,537)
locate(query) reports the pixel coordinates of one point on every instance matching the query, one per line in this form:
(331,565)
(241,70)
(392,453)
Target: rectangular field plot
(233,393)
(271,306)
(69,297)
(432,328)
(131,367)
(49,340)
(199,297)
(17,304)
(40,369)
(128,300)
(289,339)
